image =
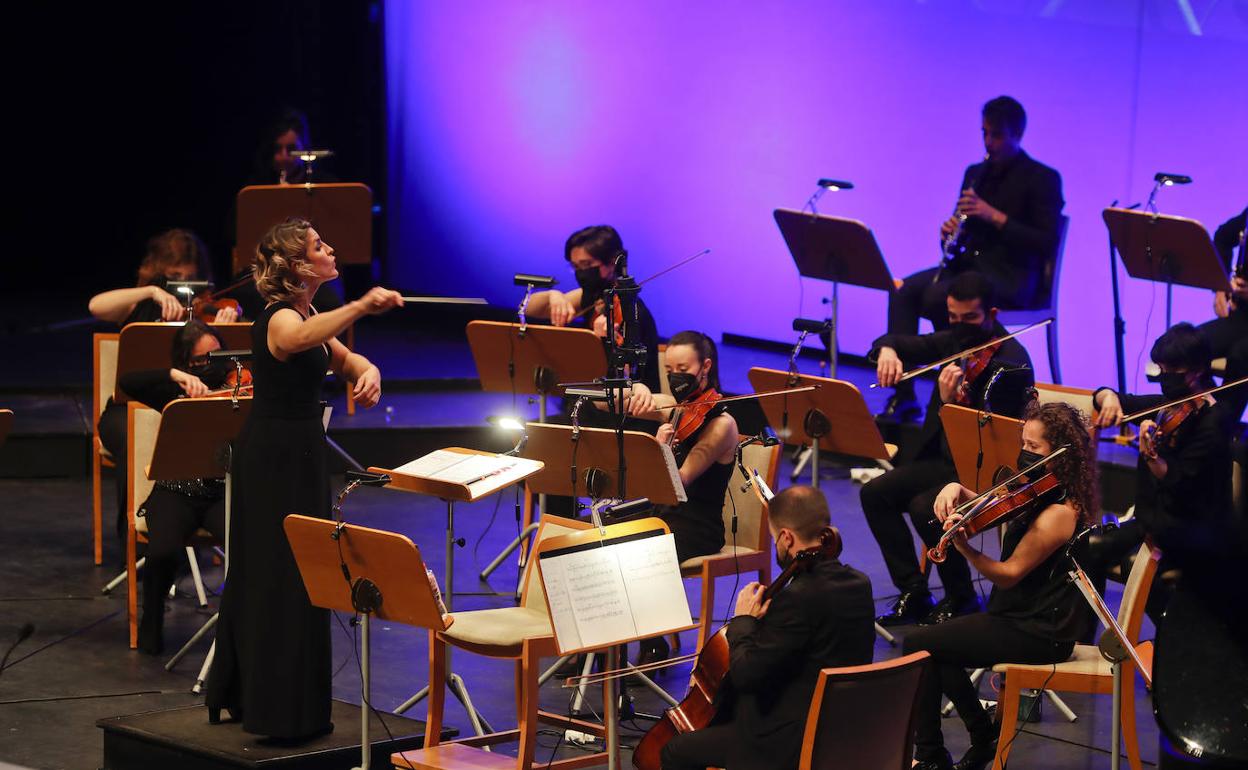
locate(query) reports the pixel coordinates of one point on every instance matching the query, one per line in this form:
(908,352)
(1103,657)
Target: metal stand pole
(529,530)
(1115,729)
(611,708)
(366,744)
(883,633)
(814,464)
(832,343)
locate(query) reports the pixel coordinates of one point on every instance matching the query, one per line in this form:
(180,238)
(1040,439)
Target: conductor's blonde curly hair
(282,268)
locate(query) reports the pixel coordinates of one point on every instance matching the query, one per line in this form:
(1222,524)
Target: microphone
(627,508)
(835,184)
(1171,179)
(536,281)
(811,326)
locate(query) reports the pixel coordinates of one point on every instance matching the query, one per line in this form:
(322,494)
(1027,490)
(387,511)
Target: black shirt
(1029,193)
(1008,396)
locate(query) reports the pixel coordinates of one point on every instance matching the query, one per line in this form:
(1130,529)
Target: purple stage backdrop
(685,124)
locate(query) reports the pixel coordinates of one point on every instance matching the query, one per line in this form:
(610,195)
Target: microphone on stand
(1171,179)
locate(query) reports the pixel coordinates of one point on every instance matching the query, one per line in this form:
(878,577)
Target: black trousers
(970,641)
(1228,337)
(112,432)
(171,519)
(920,296)
(709,747)
(912,489)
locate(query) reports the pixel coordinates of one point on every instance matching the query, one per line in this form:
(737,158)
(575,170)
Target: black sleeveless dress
(698,523)
(274,657)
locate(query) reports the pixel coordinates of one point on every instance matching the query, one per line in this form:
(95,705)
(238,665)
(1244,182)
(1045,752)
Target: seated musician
(1013,206)
(176,509)
(926,465)
(591,252)
(1228,333)
(174,255)
(776,649)
(1183,477)
(1035,614)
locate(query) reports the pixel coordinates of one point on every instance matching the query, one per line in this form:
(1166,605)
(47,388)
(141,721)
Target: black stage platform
(182,738)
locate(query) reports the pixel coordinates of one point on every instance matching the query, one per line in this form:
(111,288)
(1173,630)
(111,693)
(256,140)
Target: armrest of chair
(731,564)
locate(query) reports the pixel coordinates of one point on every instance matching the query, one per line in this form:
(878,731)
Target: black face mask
(969,335)
(783,561)
(683,384)
(1174,385)
(1026,459)
(591,282)
(213,373)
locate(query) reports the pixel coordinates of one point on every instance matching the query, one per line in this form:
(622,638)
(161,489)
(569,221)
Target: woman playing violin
(1034,614)
(176,509)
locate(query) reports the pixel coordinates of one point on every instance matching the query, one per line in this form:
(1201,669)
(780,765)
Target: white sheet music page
(598,596)
(673,471)
(655,590)
(555,583)
(470,469)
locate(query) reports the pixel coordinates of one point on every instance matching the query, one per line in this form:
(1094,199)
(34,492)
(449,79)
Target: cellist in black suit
(822,618)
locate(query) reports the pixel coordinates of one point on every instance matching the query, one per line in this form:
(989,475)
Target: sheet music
(656,592)
(673,471)
(470,469)
(555,583)
(598,596)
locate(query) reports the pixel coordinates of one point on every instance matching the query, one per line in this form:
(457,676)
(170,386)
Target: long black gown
(273,655)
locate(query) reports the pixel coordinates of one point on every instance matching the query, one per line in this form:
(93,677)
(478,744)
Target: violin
(697,709)
(205,304)
(973,365)
(689,417)
(1170,419)
(1000,504)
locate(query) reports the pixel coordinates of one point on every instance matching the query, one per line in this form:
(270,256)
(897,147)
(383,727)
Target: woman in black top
(176,509)
(273,648)
(174,255)
(1035,614)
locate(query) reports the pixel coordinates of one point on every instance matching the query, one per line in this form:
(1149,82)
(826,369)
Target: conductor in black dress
(820,619)
(1013,209)
(273,657)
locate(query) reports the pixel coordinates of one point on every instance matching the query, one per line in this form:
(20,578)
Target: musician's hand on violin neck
(665,433)
(950,382)
(949,498)
(1110,409)
(749,601)
(170,308)
(888,368)
(191,385)
(1148,439)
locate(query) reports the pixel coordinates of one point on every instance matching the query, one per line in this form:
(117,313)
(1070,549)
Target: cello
(698,707)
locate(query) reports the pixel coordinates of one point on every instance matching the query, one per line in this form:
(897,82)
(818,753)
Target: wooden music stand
(594,464)
(970,431)
(193,442)
(836,250)
(452,492)
(387,581)
(832,418)
(521,358)
(604,537)
(342,212)
(147,345)
(1166,249)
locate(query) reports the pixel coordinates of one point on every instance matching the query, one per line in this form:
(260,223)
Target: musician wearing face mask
(176,509)
(1035,614)
(1183,477)
(1007,225)
(777,645)
(592,252)
(925,465)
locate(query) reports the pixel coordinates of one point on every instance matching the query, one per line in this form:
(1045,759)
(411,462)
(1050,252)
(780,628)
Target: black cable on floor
(66,637)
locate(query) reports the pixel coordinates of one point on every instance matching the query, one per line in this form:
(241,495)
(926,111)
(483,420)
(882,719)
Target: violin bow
(962,354)
(730,399)
(664,271)
(1185,399)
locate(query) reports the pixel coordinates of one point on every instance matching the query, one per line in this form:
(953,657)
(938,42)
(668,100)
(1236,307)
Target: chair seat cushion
(1086,659)
(504,627)
(727,550)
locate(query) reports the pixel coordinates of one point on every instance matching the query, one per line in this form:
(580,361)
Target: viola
(995,511)
(697,709)
(689,417)
(1169,420)
(973,365)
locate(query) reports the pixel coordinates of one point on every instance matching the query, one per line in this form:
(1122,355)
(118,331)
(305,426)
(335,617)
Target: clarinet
(950,247)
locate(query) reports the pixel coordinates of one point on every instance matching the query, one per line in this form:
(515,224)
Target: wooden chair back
(531,594)
(1135,593)
(1079,398)
(142,425)
(751,514)
(104,370)
(863,716)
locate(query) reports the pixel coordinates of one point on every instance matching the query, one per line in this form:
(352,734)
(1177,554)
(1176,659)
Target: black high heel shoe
(214,715)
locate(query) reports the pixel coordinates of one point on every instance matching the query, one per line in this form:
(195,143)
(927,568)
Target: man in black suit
(776,649)
(925,465)
(1012,206)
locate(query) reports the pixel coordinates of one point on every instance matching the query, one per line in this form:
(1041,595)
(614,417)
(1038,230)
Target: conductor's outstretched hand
(379,300)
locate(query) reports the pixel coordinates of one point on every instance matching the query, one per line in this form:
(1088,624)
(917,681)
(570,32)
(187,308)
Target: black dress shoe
(152,633)
(948,608)
(908,608)
(978,756)
(941,763)
(901,409)
(653,650)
